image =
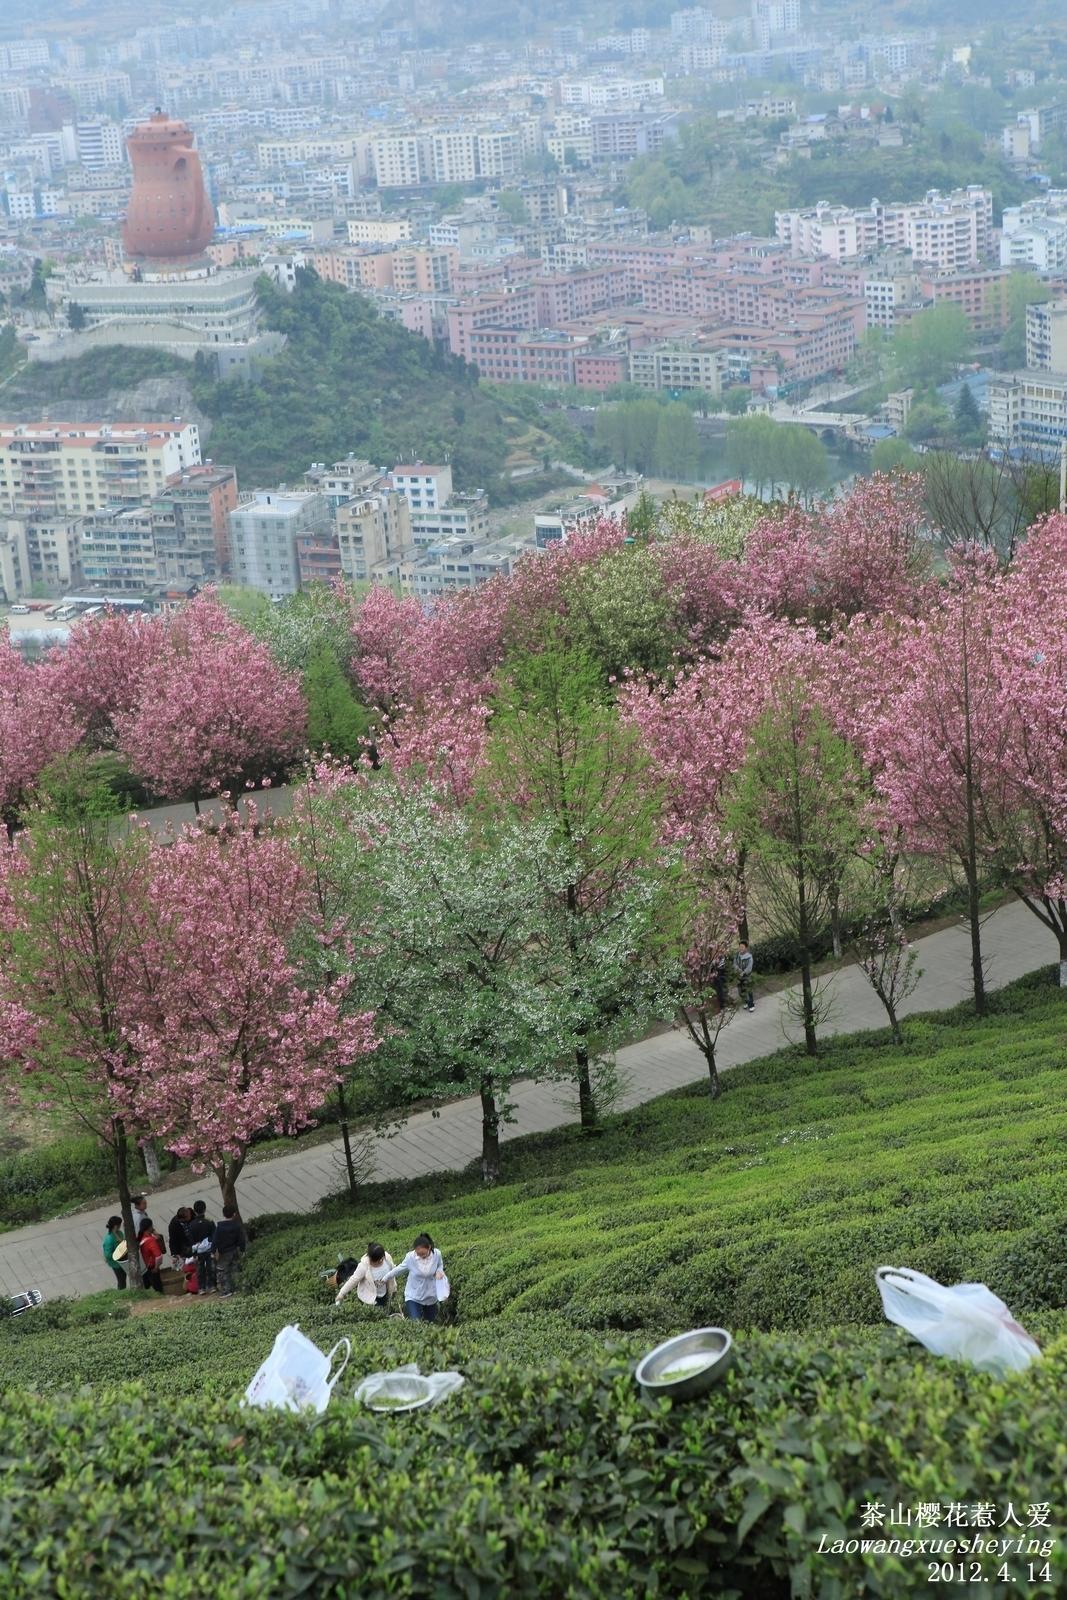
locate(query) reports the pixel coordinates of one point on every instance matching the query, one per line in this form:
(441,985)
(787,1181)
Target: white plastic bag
(965,1322)
(438,1384)
(442,1285)
(296,1374)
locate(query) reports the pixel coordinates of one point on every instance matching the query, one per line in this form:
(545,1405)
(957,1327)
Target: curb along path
(63,1257)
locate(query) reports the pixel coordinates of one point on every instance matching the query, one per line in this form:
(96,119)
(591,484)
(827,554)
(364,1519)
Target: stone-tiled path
(63,1256)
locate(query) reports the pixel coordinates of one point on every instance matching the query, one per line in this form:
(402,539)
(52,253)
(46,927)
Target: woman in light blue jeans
(423,1266)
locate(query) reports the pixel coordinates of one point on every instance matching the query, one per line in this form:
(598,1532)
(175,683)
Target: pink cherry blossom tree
(1031,692)
(36,727)
(72,906)
(213,712)
(230,1043)
(101,670)
(939,742)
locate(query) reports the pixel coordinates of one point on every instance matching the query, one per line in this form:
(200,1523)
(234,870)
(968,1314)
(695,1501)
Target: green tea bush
(766,1212)
(38,1183)
(540,1478)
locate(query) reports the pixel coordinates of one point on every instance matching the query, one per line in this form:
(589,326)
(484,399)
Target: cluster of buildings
(129,510)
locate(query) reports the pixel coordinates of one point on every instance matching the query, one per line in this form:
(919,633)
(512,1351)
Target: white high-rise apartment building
(944,231)
(398,160)
(71,468)
(453,155)
(692,26)
(100,144)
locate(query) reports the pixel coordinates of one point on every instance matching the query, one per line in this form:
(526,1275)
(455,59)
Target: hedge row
(550,1479)
(39,1183)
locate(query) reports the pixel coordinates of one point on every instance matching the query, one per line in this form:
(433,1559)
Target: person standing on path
(112,1239)
(230,1243)
(201,1243)
(140,1212)
(423,1266)
(150,1244)
(743,965)
(178,1237)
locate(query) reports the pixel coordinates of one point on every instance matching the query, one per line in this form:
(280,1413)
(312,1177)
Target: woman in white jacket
(372,1278)
(423,1266)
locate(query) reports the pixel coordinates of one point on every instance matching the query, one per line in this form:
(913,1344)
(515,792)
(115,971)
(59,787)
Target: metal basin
(400,1391)
(686,1366)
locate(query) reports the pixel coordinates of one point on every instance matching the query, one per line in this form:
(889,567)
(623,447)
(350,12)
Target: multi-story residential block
(622,135)
(678,367)
(191,524)
(944,231)
(68,469)
(1028,410)
(378,230)
(318,557)
(399,160)
(263,538)
(100,144)
(425,488)
(372,530)
(118,550)
(609,91)
(1046,337)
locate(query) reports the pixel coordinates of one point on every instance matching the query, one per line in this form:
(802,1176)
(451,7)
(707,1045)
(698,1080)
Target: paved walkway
(63,1257)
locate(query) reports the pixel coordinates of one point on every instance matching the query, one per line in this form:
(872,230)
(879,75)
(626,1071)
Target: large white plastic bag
(296,1374)
(966,1322)
(442,1287)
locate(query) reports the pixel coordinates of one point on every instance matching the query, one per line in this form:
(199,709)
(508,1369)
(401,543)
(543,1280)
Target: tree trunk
(346,1141)
(971,862)
(975,923)
(811,1044)
(151,1162)
(742,926)
(228,1174)
(120,1151)
(835,920)
(894,1023)
(490,1131)
(713,1074)
(586,1101)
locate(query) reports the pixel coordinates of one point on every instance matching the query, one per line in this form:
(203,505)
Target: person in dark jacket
(178,1236)
(230,1242)
(202,1233)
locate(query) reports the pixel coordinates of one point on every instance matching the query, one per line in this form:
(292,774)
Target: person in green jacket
(112,1240)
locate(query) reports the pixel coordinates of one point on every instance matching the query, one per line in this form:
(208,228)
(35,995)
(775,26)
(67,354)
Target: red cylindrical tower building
(169,216)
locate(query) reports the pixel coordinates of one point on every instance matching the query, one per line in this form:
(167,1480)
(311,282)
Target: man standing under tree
(743,968)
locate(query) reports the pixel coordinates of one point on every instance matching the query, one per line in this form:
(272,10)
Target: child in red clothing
(151,1248)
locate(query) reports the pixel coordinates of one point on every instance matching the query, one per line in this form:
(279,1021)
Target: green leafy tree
(968,420)
(559,757)
(929,348)
(337,723)
(1021,290)
(76,317)
(795,812)
(511,205)
(895,455)
(677,448)
(735,400)
(445,913)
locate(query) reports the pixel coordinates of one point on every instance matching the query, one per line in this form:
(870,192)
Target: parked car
(20,611)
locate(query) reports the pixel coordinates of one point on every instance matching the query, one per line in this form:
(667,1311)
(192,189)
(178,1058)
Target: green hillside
(348,380)
(766,1212)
